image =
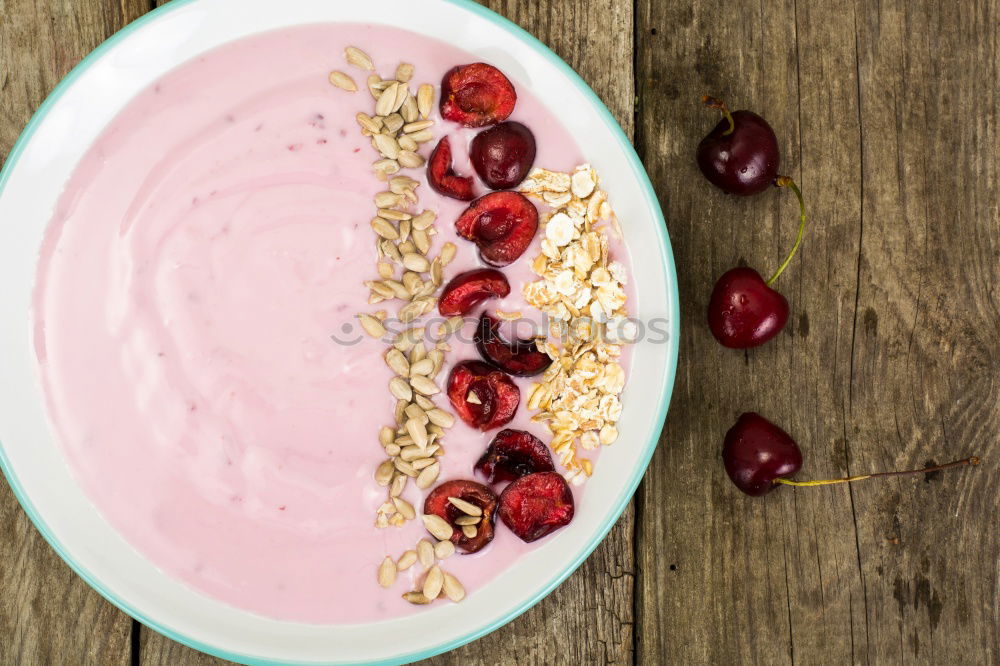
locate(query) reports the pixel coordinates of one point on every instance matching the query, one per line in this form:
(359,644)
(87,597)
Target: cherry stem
(829,482)
(716,103)
(785,181)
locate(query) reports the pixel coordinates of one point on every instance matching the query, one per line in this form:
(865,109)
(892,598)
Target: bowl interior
(30,185)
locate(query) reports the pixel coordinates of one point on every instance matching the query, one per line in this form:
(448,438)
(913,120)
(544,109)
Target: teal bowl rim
(667,263)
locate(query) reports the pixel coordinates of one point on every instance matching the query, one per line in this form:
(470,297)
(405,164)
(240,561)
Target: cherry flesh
(467,290)
(443,179)
(513,454)
(502,225)
(518,357)
(756,452)
(503,155)
(537,505)
(743,311)
(740,155)
(475,493)
(482,396)
(476,95)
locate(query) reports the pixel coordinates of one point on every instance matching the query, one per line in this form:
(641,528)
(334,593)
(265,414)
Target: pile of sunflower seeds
(435,582)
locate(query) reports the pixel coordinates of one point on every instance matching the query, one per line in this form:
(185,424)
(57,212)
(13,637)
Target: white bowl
(30,184)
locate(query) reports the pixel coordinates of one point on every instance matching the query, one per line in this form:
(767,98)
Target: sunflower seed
(343,81)
(358,58)
(421,240)
(406,247)
(450,325)
(398,413)
(405,467)
(410,311)
(417,125)
(402,184)
(397,487)
(390,214)
(386,435)
(401,92)
(433,582)
(435,429)
(383,474)
(412,282)
(375,86)
(368,123)
(437,356)
(390,250)
(387,199)
(473,399)
(461,521)
(397,520)
(409,338)
(406,560)
(418,432)
(425,553)
(437,526)
(404,230)
(392,450)
(444,549)
(422,367)
(386,100)
(381,521)
(428,475)
(387,572)
(469,531)
(386,271)
(400,389)
(415,597)
(414,411)
(372,326)
(409,109)
(424,402)
(453,588)
(448,253)
(387,145)
(468,508)
(416,262)
(424,220)
(404,72)
(385,167)
(425,99)
(441,418)
(410,159)
(404,507)
(420,136)
(397,288)
(384,228)
(421,463)
(407,143)
(393,122)
(424,385)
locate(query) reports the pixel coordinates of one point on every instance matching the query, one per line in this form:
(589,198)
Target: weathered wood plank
(573,623)
(47,614)
(883,311)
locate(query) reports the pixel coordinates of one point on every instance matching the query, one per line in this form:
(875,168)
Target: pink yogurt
(206,249)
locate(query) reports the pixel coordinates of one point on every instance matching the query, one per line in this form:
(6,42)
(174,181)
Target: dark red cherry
(503,154)
(475,493)
(482,396)
(537,505)
(502,225)
(740,155)
(443,179)
(513,454)
(756,452)
(467,290)
(519,357)
(476,95)
(743,311)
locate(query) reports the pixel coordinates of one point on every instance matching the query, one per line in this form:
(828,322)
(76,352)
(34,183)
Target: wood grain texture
(889,360)
(48,615)
(887,116)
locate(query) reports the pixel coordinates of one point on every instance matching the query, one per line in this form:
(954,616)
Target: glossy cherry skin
(743,311)
(756,452)
(743,162)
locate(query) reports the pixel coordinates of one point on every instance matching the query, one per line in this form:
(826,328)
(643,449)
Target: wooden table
(887,115)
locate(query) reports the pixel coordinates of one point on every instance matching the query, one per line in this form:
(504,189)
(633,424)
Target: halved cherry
(503,154)
(477,494)
(537,505)
(466,290)
(513,454)
(502,224)
(476,95)
(481,395)
(519,357)
(443,179)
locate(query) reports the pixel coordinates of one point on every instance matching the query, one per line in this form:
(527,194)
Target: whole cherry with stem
(759,456)
(740,156)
